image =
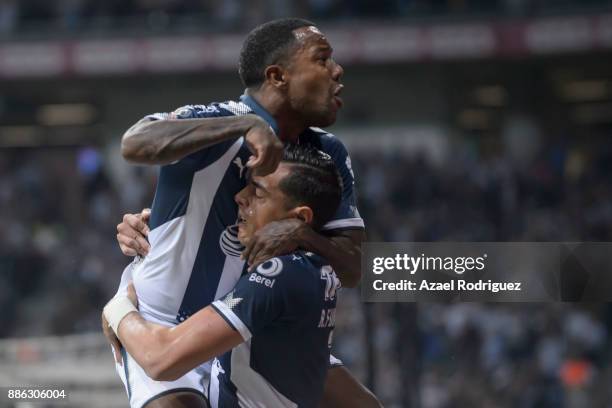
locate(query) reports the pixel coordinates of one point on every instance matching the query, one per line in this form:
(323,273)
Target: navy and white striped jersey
(285,312)
(195,255)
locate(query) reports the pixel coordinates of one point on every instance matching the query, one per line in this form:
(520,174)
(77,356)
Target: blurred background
(466,120)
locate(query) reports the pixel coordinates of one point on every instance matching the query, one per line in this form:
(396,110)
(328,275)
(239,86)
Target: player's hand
(132,233)
(112,340)
(274,239)
(266,147)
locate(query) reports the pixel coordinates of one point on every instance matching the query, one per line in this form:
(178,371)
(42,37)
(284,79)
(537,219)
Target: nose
(241,197)
(337,72)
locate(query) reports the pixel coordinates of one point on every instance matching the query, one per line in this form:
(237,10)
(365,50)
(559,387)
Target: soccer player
(205,151)
(273,330)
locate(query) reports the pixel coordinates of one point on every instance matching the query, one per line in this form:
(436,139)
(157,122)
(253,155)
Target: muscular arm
(168,353)
(165,141)
(342,250)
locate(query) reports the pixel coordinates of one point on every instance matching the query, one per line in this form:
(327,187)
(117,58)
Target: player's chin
(326,119)
(243,236)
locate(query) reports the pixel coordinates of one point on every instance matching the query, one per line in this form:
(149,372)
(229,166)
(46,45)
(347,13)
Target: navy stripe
(210,259)
(175,180)
(227,389)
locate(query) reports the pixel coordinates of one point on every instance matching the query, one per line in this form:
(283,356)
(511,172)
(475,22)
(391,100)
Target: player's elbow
(160,374)
(154,372)
(160,361)
(162,369)
(131,146)
(137,146)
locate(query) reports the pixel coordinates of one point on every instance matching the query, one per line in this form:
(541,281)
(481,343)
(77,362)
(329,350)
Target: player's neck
(289,127)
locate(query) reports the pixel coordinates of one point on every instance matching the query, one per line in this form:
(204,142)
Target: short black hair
(266,45)
(313,181)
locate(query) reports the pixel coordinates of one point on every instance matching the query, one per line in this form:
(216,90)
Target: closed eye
(259,189)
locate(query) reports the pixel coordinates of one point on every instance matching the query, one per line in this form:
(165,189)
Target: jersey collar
(260,111)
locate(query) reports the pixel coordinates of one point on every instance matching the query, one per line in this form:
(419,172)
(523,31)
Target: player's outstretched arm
(342,248)
(168,353)
(165,141)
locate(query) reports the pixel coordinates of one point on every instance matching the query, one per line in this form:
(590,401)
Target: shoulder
(227,108)
(325,141)
(284,264)
(195,111)
(213,109)
(328,143)
(291,271)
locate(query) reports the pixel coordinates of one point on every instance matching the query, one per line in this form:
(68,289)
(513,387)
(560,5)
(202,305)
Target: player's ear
(275,75)
(304,213)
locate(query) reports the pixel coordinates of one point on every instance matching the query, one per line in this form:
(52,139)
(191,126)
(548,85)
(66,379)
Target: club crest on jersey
(270,268)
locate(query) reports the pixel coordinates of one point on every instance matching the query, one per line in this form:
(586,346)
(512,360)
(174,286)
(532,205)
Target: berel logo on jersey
(261,280)
(270,268)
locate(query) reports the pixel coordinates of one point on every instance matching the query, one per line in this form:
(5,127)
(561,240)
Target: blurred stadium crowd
(17,16)
(58,254)
(59,206)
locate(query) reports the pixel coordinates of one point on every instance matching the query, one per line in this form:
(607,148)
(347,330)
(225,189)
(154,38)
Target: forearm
(165,141)
(168,353)
(342,252)
(146,342)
